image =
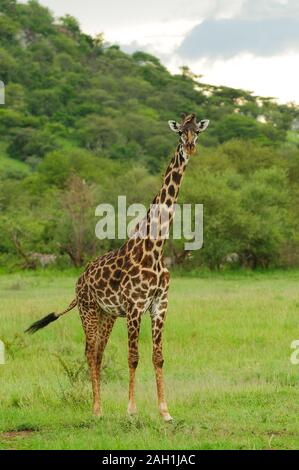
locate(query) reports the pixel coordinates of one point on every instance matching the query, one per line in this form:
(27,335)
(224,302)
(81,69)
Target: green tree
(97,132)
(74,233)
(30,142)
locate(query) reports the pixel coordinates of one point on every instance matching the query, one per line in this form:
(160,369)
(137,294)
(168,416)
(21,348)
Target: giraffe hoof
(166,417)
(132,409)
(97,413)
(164,412)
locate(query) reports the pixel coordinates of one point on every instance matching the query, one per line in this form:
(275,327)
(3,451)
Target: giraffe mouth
(190,149)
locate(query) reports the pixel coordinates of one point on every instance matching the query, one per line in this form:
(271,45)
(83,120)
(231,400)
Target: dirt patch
(15,434)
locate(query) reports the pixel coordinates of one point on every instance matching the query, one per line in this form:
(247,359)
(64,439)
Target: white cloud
(262,9)
(160,38)
(163,37)
(102,15)
(273,76)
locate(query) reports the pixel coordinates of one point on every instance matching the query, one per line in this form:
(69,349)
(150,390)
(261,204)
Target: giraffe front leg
(133,323)
(158,317)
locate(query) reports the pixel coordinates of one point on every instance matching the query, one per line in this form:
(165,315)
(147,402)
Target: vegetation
(84,122)
(229,380)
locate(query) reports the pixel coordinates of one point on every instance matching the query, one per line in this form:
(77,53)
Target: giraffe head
(188,129)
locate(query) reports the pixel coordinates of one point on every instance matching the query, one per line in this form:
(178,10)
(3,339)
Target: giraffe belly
(112,308)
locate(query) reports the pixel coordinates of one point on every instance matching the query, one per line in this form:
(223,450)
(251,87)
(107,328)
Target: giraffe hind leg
(133,324)
(97,326)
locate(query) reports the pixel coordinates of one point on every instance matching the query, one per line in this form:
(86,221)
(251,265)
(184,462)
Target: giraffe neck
(160,215)
(169,191)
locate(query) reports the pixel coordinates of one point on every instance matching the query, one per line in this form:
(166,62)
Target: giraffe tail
(49,319)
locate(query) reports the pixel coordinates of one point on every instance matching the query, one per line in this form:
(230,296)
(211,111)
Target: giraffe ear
(202,125)
(174,126)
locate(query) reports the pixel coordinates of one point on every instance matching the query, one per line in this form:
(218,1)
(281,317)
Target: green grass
(229,380)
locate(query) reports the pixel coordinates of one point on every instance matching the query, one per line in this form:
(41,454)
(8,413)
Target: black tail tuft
(41,323)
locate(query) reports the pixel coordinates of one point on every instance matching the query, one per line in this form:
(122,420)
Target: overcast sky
(251,44)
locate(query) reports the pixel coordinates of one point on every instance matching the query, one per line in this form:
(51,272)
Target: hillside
(81,115)
(64,88)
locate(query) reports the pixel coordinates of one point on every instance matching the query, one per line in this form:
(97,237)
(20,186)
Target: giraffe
(133,279)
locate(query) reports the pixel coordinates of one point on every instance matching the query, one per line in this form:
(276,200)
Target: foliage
(82,112)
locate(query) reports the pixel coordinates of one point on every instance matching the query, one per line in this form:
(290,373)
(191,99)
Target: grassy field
(230,382)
